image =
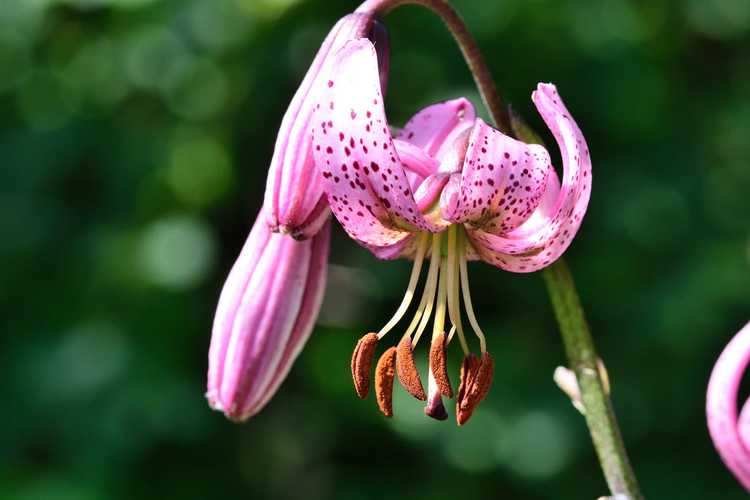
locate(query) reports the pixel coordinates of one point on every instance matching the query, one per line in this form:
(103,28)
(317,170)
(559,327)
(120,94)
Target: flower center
(446,284)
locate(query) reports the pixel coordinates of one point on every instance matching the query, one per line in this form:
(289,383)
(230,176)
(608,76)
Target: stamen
(439,365)
(469,369)
(476,379)
(413,279)
(362,362)
(454,310)
(429,290)
(384,373)
(439,324)
(467,301)
(450,334)
(431,286)
(406,370)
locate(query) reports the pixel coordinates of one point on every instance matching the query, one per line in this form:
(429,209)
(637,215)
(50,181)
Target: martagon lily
(447,188)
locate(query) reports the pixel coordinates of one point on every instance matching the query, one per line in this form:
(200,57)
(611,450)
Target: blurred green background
(134,141)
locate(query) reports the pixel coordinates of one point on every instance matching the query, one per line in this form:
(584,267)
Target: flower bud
(265,314)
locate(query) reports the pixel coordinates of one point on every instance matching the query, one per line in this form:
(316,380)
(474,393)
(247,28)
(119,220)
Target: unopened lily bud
(265,314)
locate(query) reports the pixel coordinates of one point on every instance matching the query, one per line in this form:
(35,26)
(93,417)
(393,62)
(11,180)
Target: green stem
(583,360)
(579,345)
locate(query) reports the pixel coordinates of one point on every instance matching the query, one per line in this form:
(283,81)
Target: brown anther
(407,370)
(439,365)
(385,370)
(476,379)
(362,362)
(468,371)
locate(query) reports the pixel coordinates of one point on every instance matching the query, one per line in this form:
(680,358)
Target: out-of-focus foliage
(134,138)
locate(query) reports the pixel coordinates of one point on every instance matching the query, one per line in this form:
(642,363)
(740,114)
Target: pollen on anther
(362,362)
(407,372)
(384,375)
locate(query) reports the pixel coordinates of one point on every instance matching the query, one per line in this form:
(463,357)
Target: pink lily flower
(730,434)
(266,312)
(450,188)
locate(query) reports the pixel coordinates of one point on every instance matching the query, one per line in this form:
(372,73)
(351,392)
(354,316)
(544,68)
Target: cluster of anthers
(447,281)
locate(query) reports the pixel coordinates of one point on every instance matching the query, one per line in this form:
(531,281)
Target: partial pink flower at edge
(731,436)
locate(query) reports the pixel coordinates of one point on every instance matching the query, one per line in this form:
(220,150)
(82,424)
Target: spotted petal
(548,232)
(501,183)
(434,126)
(288,206)
(364,178)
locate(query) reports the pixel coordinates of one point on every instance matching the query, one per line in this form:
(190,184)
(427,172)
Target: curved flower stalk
(266,312)
(730,433)
(498,200)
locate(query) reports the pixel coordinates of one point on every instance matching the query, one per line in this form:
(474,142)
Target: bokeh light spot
(199,169)
(719,18)
(197,89)
(176,252)
(471,448)
(88,356)
(538,446)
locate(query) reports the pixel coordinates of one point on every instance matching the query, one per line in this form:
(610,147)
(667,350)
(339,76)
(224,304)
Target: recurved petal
(363,177)
(405,247)
(549,231)
(721,405)
(435,125)
(501,182)
(293,186)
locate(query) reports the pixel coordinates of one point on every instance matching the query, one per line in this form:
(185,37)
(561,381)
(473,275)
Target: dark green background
(134,141)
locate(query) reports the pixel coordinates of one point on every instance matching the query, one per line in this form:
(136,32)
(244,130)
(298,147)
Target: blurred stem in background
(579,345)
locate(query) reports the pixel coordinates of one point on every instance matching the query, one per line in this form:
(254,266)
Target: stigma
(445,290)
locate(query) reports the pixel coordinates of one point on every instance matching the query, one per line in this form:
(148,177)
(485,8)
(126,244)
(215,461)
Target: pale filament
(439,324)
(413,279)
(454,307)
(451,333)
(431,288)
(467,301)
(428,294)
